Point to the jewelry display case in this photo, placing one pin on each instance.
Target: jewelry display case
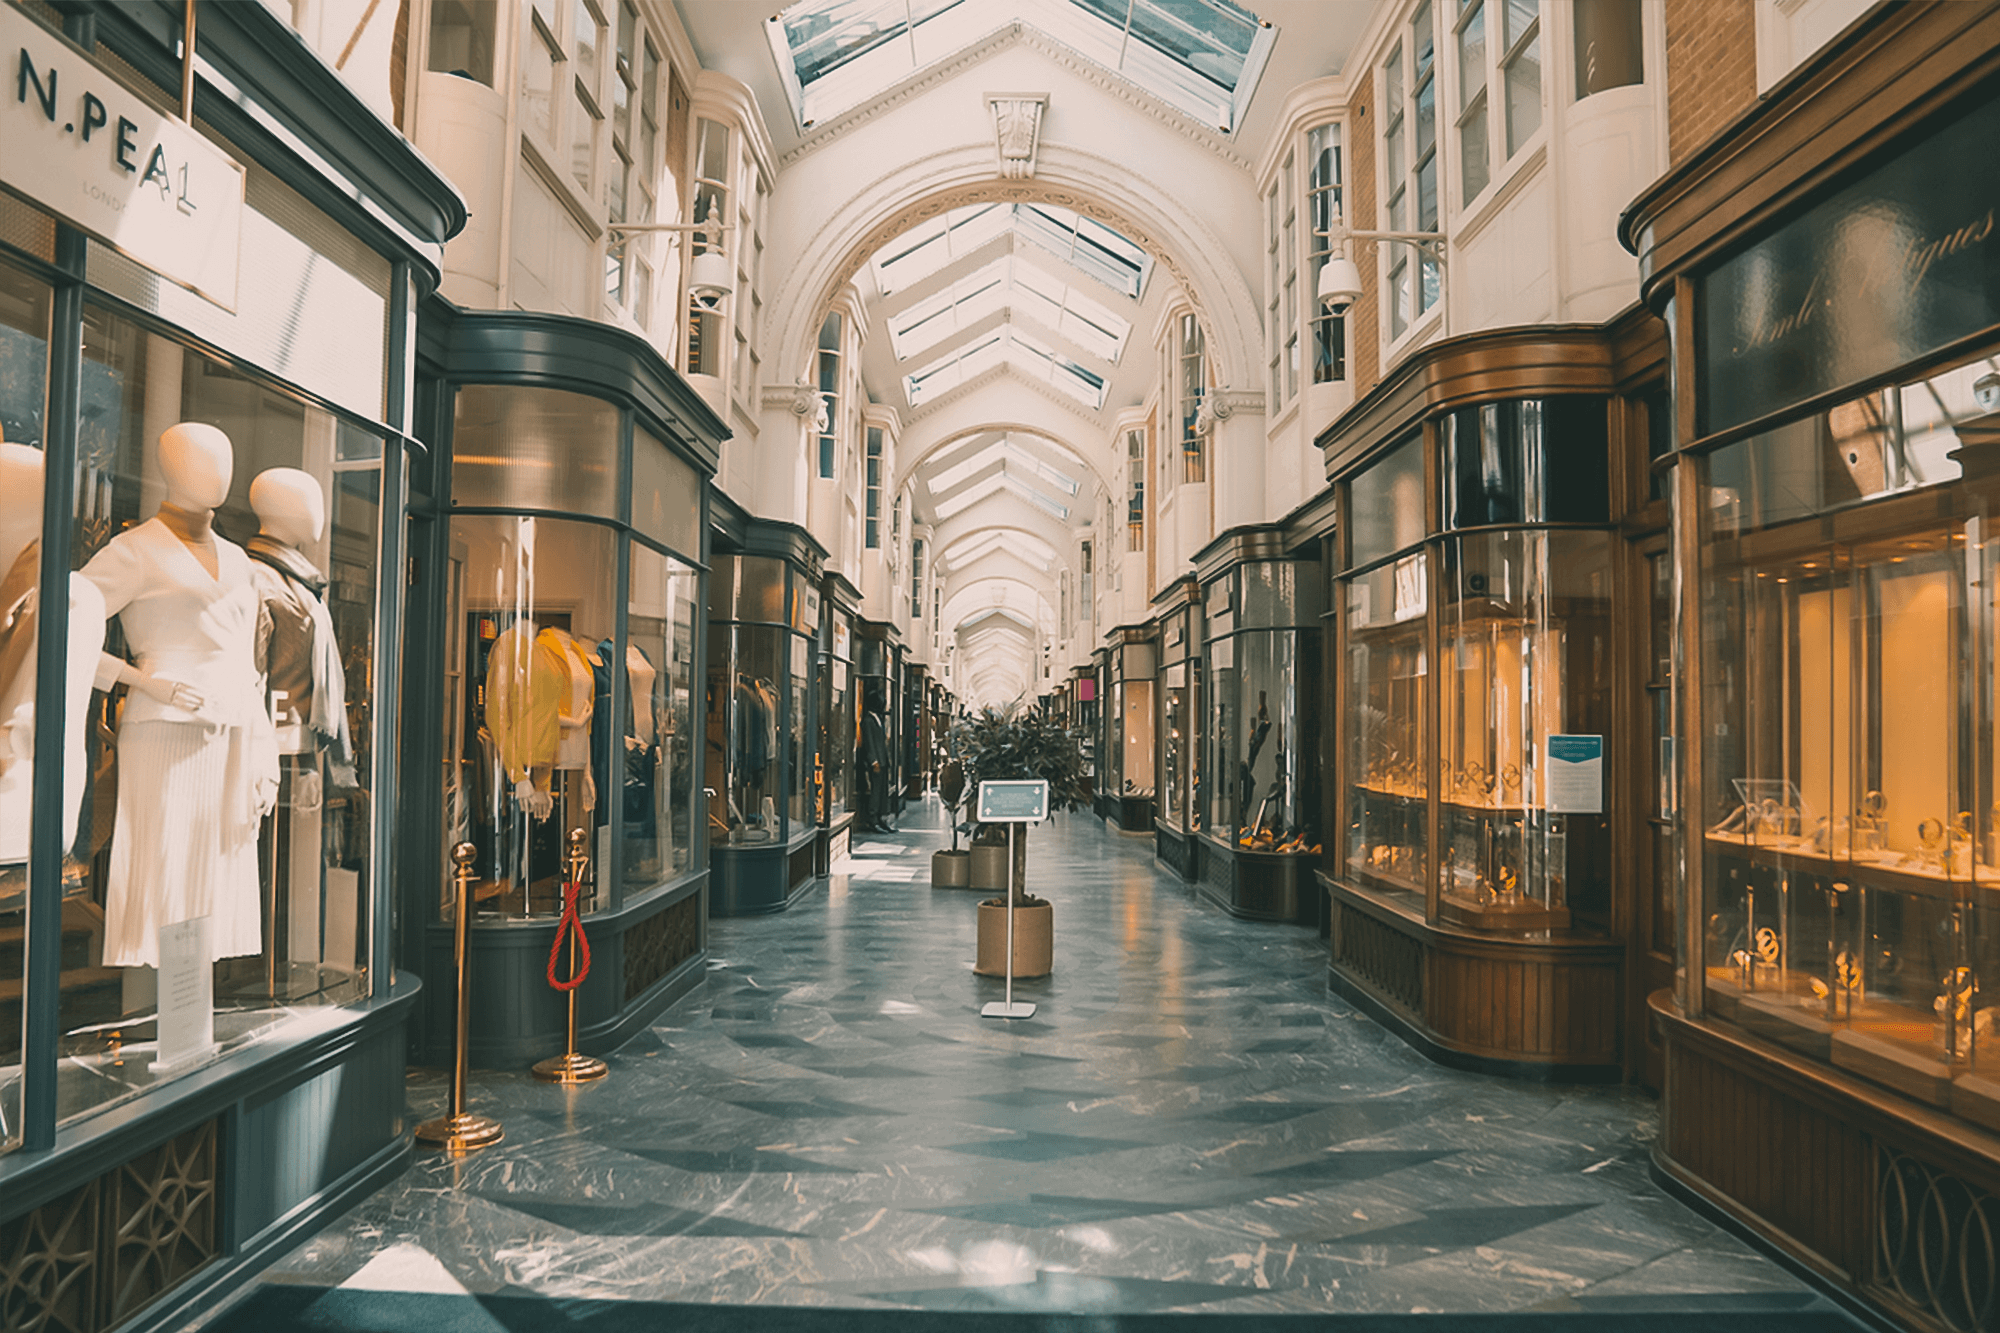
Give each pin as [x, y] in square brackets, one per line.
[1850, 833]
[1487, 578]
[839, 719]
[1260, 703]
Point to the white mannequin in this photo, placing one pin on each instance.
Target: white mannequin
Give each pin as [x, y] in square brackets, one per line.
[197, 755]
[21, 475]
[290, 506]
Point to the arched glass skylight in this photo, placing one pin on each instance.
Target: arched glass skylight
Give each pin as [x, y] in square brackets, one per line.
[1013, 285]
[1086, 245]
[1010, 346]
[1200, 56]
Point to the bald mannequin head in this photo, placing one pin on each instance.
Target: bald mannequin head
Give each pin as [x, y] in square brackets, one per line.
[291, 507]
[196, 462]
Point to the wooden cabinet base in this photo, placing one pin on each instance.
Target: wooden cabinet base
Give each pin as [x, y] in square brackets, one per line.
[1034, 940]
[1541, 1008]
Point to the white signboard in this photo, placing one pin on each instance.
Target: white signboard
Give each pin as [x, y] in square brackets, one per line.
[76, 141]
[1576, 775]
[187, 994]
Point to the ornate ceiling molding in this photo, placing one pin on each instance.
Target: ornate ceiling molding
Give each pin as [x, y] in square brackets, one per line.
[1018, 33]
[1017, 128]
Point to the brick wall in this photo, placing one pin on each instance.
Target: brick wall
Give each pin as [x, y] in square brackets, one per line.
[1364, 354]
[1711, 69]
[399, 62]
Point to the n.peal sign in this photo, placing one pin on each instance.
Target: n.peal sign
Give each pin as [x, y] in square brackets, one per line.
[79, 143]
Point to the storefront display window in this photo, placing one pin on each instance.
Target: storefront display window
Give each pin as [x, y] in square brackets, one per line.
[217, 800]
[841, 719]
[568, 700]
[1849, 715]
[1263, 707]
[756, 701]
[1388, 725]
[1173, 745]
[24, 375]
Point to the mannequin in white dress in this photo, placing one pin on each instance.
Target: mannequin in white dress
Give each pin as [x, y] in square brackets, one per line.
[197, 755]
[20, 583]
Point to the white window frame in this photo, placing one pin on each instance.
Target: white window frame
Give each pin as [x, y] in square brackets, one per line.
[1490, 100]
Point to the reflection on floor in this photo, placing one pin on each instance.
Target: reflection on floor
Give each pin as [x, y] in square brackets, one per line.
[1190, 1122]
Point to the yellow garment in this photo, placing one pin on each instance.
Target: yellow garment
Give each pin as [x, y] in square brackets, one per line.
[527, 678]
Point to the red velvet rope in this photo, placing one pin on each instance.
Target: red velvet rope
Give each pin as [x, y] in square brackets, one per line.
[570, 921]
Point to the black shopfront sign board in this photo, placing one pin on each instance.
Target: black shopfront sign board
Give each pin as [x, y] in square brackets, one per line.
[1897, 265]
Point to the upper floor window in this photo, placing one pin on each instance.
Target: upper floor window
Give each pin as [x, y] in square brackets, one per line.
[1191, 385]
[1323, 205]
[1135, 490]
[829, 389]
[1410, 174]
[706, 331]
[1509, 60]
[873, 512]
[916, 578]
[1610, 45]
[462, 39]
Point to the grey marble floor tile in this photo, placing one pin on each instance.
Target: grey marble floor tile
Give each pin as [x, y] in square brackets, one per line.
[1192, 1122]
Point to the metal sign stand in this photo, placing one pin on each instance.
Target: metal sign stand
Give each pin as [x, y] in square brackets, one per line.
[1038, 808]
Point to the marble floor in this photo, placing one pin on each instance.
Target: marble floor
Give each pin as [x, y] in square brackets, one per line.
[1190, 1122]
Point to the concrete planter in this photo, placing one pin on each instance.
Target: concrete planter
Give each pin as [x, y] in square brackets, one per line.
[1034, 939]
[951, 870]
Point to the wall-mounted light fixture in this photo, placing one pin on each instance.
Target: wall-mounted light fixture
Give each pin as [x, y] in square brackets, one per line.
[711, 275]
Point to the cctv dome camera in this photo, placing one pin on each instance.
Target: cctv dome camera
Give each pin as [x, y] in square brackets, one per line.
[1339, 284]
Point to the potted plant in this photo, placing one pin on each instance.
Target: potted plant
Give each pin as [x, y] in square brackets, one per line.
[1013, 744]
[952, 869]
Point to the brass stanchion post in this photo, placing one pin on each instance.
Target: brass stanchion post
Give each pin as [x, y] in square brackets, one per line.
[461, 1131]
[572, 1066]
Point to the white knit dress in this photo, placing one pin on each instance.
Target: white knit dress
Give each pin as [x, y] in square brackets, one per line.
[193, 786]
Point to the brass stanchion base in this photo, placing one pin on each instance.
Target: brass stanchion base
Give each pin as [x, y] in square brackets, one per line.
[461, 1133]
[572, 1067]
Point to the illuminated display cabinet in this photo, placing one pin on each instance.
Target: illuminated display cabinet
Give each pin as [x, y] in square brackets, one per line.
[1129, 721]
[1181, 813]
[1488, 864]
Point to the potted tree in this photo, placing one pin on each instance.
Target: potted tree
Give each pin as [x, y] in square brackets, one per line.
[952, 869]
[1016, 743]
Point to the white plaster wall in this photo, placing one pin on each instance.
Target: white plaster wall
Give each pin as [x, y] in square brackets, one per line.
[549, 270]
[1500, 267]
[1610, 152]
[460, 126]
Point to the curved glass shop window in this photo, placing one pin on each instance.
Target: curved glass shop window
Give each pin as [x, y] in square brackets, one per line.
[24, 371]
[841, 719]
[1387, 698]
[217, 799]
[756, 678]
[568, 703]
[1851, 844]
[1263, 708]
[1173, 744]
[540, 624]
[1525, 649]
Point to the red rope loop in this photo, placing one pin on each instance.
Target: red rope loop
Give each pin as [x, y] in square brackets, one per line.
[570, 921]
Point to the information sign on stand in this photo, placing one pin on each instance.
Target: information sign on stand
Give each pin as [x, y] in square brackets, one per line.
[1011, 803]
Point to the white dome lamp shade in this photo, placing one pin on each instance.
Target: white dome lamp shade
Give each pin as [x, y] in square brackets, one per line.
[711, 276]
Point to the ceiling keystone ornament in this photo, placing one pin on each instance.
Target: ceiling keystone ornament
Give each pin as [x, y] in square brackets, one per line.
[1017, 121]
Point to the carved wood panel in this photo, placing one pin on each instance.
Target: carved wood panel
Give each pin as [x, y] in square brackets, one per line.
[1381, 958]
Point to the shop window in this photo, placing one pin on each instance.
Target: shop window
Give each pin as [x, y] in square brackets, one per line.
[666, 495]
[25, 307]
[829, 391]
[1386, 504]
[1610, 45]
[1323, 205]
[1388, 724]
[1849, 820]
[1528, 461]
[1262, 708]
[462, 38]
[218, 798]
[654, 783]
[535, 449]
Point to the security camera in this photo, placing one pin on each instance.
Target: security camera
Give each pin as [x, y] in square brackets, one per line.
[1986, 392]
[1339, 284]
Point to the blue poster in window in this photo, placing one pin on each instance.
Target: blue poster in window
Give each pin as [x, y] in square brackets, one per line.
[1576, 775]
